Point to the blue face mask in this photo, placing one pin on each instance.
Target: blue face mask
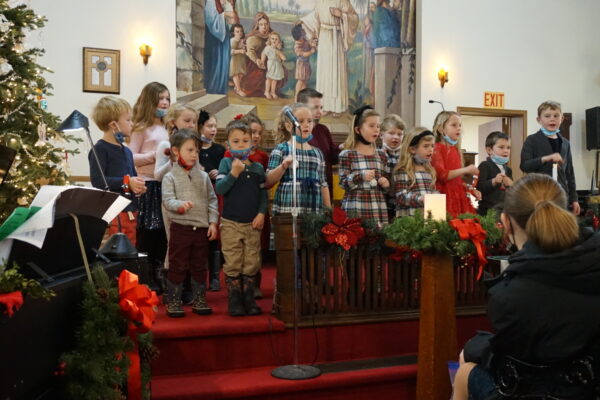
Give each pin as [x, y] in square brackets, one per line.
[499, 159]
[450, 140]
[240, 154]
[119, 137]
[549, 133]
[302, 140]
[160, 112]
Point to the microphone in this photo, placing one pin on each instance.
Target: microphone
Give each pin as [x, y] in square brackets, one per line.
[287, 111]
[439, 102]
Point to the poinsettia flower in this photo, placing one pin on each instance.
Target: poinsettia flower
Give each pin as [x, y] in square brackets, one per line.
[343, 231]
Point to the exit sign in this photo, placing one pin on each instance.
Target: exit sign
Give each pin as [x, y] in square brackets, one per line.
[493, 100]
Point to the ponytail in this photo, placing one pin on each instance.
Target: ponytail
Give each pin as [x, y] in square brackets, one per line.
[538, 204]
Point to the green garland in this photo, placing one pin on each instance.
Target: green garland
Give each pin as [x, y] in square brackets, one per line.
[426, 234]
[98, 368]
[12, 280]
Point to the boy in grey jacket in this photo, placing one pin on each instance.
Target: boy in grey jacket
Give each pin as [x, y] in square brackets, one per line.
[192, 208]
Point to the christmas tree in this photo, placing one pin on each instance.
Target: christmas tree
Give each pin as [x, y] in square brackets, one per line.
[25, 125]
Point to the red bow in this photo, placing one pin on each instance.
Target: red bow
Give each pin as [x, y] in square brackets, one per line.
[470, 229]
[400, 251]
[12, 301]
[137, 304]
[239, 116]
[344, 231]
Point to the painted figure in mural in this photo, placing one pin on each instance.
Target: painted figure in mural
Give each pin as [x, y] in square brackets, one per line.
[237, 64]
[274, 58]
[303, 48]
[334, 23]
[369, 49]
[386, 26]
[218, 14]
[253, 84]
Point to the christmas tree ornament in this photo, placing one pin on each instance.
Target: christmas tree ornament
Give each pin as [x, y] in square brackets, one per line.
[42, 131]
[5, 24]
[5, 67]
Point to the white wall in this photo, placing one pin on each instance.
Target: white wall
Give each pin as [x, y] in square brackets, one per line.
[531, 50]
[109, 24]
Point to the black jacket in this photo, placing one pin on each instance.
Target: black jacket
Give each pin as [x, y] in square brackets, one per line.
[537, 146]
[492, 196]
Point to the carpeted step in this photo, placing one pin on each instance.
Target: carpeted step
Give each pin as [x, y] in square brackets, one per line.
[396, 382]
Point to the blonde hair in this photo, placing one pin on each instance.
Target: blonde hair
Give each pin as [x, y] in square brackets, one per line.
[109, 109]
[438, 129]
[174, 112]
[406, 162]
[392, 121]
[538, 204]
[273, 33]
[145, 107]
[357, 122]
[280, 131]
[549, 105]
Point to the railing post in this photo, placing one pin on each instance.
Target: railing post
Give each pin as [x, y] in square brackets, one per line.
[437, 327]
[282, 230]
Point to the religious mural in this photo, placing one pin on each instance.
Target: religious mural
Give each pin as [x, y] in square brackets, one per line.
[267, 50]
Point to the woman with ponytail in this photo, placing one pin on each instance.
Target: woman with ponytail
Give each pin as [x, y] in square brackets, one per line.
[544, 307]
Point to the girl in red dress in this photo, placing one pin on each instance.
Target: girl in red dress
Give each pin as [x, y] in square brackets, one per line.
[448, 163]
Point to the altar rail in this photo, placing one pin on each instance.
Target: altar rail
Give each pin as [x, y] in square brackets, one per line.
[359, 286]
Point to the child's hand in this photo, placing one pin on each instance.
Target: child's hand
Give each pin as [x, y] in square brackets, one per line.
[498, 179]
[213, 232]
[137, 185]
[506, 181]
[383, 182]
[554, 157]
[369, 175]
[185, 207]
[471, 170]
[476, 193]
[575, 208]
[237, 167]
[213, 174]
[258, 222]
[286, 162]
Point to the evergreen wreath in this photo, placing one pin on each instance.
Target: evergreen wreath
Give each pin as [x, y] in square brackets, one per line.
[13, 286]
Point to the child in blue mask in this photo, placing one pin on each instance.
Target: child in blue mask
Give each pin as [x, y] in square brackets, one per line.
[495, 176]
[548, 152]
[241, 182]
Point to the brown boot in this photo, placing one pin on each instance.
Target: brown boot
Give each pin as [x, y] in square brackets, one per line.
[174, 305]
[258, 294]
[234, 288]
[199, 305]
[248, 285]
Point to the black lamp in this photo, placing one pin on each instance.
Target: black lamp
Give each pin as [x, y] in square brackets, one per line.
[118, 246]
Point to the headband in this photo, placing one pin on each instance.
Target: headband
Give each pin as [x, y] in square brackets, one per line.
[357, 113]
[203, 117]
[420, 136]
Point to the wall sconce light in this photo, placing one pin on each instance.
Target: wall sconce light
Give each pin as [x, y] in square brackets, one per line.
[443, 76]
[145, 52]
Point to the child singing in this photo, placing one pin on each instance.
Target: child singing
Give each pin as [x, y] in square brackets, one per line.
[495, 175]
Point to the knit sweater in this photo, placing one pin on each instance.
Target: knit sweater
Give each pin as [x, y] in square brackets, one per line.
[144, 145]
[179, 186]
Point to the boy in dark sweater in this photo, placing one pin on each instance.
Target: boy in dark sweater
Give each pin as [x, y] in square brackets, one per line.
[495, 176]
[241, 182]
[113, 117]
[548, 152]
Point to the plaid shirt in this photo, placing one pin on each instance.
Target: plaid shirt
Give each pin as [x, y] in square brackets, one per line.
[409, 197]
[360, 197]
[310, 179]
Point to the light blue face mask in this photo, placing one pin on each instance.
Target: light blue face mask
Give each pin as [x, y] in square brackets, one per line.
[240, 154]
[302, 140]
[160, 112]
[549, 133]
[420, 160]
[450, 140]
[499, 159]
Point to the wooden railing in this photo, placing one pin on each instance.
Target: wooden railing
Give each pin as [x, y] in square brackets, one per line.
[359, 286]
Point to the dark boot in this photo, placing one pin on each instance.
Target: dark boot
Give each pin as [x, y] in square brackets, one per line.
[187, 294]
[248, 285]
[234, 287]
[214, 267]
[257, 292]
[199, 306]
[174, 306]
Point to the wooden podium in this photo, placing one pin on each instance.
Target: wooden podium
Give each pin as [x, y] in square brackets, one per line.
[437, 327]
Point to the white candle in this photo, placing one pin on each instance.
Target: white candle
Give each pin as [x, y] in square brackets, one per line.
[555, 171]
[436, 204]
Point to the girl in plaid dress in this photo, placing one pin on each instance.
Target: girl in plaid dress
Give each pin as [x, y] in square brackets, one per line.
[392, 132]
[414, 176]
[363, 169]
[312, 189]
[448, 163]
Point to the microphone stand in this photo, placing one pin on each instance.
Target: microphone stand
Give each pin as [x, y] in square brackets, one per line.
[296, 371]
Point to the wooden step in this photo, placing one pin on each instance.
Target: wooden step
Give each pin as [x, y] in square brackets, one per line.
[213, 103]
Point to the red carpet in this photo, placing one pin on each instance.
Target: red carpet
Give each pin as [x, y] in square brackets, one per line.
[222, 357]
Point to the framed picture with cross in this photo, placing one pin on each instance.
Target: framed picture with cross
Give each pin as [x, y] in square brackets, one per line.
[101, 70]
